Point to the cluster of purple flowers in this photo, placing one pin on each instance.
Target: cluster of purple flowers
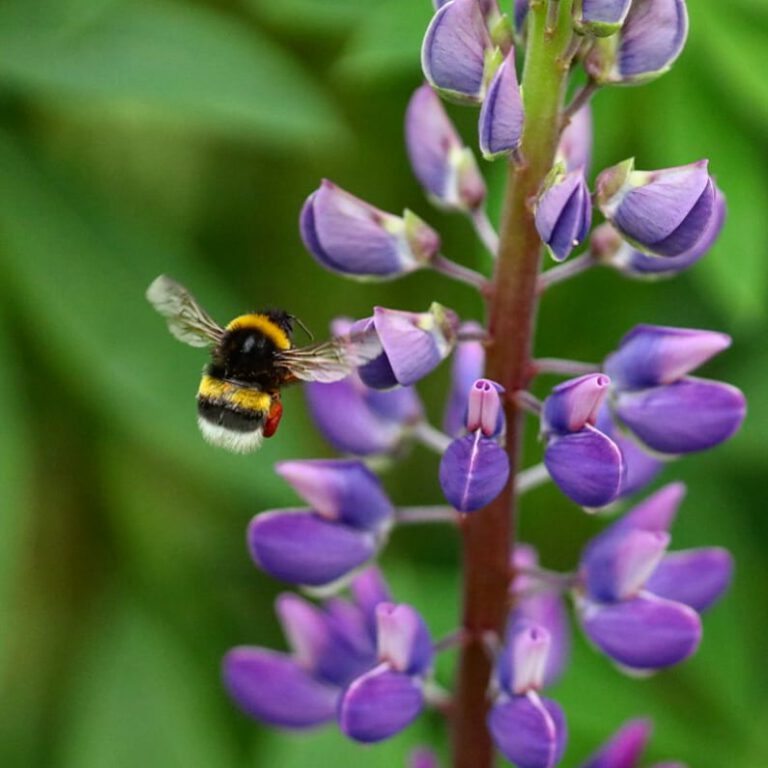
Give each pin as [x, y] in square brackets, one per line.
[366, 661]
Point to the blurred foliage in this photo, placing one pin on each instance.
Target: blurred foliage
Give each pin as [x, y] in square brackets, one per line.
[182, 137]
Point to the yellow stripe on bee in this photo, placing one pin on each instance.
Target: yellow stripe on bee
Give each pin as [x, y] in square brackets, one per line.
[269, 328]
[232, 394]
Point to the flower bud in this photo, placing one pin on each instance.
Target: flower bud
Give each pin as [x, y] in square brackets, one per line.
[653, 354]
[664, 212]
[625, 748]
[564, 213]
[484, 408]
[651, 38]
[443, 165]
[349, 236]
[600, 18]
[575, 403]
[455, 50]
[524, 658]
[501, 116]
[415, 343]
[575, 148]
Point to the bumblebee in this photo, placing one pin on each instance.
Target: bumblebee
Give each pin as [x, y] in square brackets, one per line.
[252, 358]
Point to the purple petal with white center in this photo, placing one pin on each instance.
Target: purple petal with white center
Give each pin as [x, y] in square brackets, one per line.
[339, 489]
[586, 466]
[640, 468]
[564, 214]
[575, 148]
[696, 577]
[686, 416]
[404, 642]
[302, 548]
[638, 264]
[652, 38]
[653, 354]
[484, 408]
[273, 688]
[380, 704]
[525, 654]
[365, 427]
[575, 403]
[624, 749]
[305, 628]
[617, 566]
[547, 609]
[529, 731]
[416, 342]
[665, 212]
[646, 632]
[473, 472]
[602, 17]
[368, 590]
[454, 49]
[347, 235]
[501, 116]
[443, 165]
[467, 366]
[423, 758]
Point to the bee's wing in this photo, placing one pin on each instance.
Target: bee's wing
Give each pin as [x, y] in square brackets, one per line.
[331, 360]
[187, 320]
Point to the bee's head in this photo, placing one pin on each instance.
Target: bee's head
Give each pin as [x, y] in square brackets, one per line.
[287, 321]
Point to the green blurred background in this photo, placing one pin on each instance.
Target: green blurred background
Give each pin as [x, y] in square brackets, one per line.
[182, 137]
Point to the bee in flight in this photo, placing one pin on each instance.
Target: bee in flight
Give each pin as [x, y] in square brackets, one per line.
[252, 358]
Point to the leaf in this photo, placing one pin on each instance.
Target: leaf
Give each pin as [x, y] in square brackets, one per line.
[79, 280]
[173, 63]
[140, 699]
[387, 43]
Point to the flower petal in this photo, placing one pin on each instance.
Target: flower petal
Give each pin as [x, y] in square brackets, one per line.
[686, 416]
[423, 758]
[575, 148]
[501, 116]
[473, 472]
[338, 489]
[467, 366]
[646, 632]
[696, 577]
[303, 548]
[564, 214]
[575, 403]
[528, 730]
[380, 704]
[586, 466]
[403, 638]
[368, 590]
[273, 688]
[625, 747]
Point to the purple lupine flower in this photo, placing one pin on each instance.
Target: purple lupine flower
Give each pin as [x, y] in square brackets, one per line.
[466, 367]
[584, 462]
[444, 166]
[564, 213]
[389, 697]
[330, 646]
[624, 749]
[649, 42]
[608, 248]
[575, 148]
[455, 49]
[664, 212]
[474, 469]
[501, 116]
[669, 411]
[349, 236]
[542, 604]
[349, 518]
[640, 467]
[637, 625]
[528, 729]
[601, 18]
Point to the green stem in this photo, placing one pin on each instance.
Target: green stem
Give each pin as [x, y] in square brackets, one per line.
[488, 534]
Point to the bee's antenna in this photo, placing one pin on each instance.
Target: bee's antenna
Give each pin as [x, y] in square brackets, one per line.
[303, 327]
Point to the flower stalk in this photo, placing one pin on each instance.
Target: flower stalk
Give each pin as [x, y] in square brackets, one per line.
[488, 537]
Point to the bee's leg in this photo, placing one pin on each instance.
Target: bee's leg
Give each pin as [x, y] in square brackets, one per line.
[273, 418]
